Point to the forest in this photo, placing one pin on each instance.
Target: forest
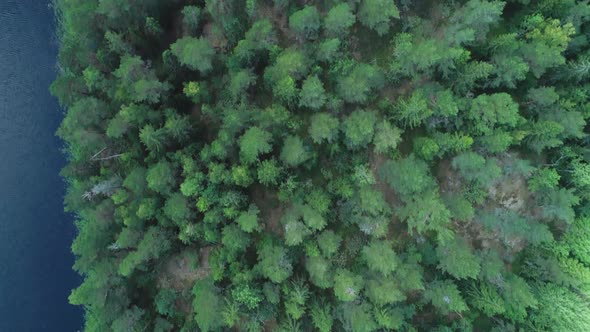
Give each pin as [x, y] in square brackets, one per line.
[328, 165]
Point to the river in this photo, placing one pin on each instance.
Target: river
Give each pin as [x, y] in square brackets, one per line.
[36, 274]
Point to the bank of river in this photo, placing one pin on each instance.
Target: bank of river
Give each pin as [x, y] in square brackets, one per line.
[35, 234]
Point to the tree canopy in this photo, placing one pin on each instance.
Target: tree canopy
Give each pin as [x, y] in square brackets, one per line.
[370, 165]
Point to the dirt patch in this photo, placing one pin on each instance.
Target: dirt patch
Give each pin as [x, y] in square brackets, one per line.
[215, 36]
[271, 209]
[280, 21]
[182, 271]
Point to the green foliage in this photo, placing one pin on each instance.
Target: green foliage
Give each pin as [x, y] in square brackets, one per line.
[560, 309]
[248, 220]
[194, 53]
[253, 143]
[269, 172]
[155, 242]
[445, 297]
[380, 257]
[413, 111]
[294, 152]
[347, 285]
[274, 263]
[191, 17]
[176, 208]
[207, 305]
[387, 137]
[312, 93]
[427, 212]
[319, 270]
[305, 22]
[474, 167]
[382, 290]
[407, 176]
[161, 178]
[321, 315]
[339, 20]
[457, 259]
[165, 301]
[488, 112]
[359, 128]
[357, 86]
[323, 127]
[329, 242]
[377, 14]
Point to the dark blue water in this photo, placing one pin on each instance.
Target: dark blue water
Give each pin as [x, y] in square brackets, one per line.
[35, 234]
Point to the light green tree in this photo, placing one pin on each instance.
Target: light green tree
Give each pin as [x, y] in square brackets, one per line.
[377, 14]
[339, 20]
[359, 128]
[457, 259]
[323, 127]
[312, 93]
[253, 143]
[195, 53]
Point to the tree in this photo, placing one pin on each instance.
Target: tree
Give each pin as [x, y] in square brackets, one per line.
[558, 204]
[546, 40]
[239, 83]
[191, 17]
[155, 242]
[473, 21]
[488, 112]
[356, 86]
[274, 263]
[380, 257]
[323, 127]
[387, 137]
[329, 242]
[269, 172]
[339, 20]
[130, 320]
[511, 226]
[357, 317]
[165, 301]
[328, 49]
[445, 297]
[248, 220]
[294, 152]
[560, 309]
[457, 259]
[358, 129]
[426, 148]
[347, 285]
[321, 316]
[413, 111]
[377, 14]
[305, 22]
[407, 176]
[177, 209]
[320, 271]
[312, 93]
[426, 212]
[152, 138]
[253, 143]
[160, 178]
[474, 167]
[383, 290]
[207, 305]
[234, 240]
[196, 54]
